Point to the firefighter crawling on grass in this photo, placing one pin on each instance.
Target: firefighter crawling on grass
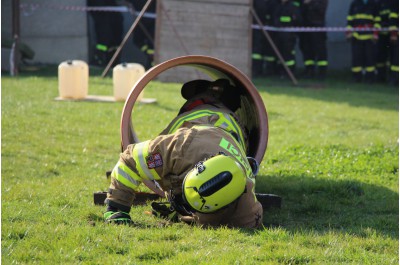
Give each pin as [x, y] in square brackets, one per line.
[199, 160]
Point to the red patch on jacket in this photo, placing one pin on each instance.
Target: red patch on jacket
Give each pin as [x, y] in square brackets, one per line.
[154, 160]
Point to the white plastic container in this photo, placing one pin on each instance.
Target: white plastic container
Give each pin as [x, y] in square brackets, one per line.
[73, 79]
[125, 75]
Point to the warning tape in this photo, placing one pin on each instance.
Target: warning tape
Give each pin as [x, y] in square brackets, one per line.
[318, 29]
[34, 6]
[120, 9]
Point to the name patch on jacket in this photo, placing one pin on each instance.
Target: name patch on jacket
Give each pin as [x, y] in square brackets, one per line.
[154, 160]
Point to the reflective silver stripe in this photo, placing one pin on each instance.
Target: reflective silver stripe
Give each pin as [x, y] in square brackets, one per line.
[142, 161]
[126, 176]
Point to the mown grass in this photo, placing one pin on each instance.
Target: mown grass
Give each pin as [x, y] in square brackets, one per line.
[332, 156]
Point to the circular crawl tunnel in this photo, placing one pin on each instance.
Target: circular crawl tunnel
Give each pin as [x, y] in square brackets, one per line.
[251, 113]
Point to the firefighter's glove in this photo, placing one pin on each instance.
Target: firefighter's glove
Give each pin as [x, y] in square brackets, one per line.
[164, 210]
[120, 218]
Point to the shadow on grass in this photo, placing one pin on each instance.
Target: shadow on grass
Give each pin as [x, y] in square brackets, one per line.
[325, 205]
[337, 88]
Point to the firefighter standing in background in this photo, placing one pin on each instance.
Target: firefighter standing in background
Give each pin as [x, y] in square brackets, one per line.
[269, 56]
[313, 44]
[384, 44]
[363, 15]
[287, 14]
[108, 28]
[259, 40]
[199, 160]
[394, 38]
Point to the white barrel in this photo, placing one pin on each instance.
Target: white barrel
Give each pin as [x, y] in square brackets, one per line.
[125, 75]
[73, 79]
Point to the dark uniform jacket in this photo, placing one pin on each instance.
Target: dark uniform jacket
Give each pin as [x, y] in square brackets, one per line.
[363, 16]
[287, 15]
[314, 13]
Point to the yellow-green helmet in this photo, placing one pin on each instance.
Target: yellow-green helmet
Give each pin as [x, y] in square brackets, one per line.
[213, 184]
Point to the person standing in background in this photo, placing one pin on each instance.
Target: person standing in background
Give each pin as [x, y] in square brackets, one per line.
[363, 16]
[394, 39]
[259, 41]
[270, 58]
[313, 44]
[287, 14]
[108, 31]
[383, 47]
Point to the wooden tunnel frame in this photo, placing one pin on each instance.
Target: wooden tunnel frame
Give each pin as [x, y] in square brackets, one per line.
[215, 69]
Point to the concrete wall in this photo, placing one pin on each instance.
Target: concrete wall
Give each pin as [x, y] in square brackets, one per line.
[55, 35]
[217, 28]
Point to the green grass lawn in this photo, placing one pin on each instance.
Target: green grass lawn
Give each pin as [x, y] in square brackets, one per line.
[332, 155]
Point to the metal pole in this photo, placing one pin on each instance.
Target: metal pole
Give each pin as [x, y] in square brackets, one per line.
[14, 56]
[128, 34]
[271, 42]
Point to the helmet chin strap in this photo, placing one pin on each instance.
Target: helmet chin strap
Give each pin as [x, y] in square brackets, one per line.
[177, 204]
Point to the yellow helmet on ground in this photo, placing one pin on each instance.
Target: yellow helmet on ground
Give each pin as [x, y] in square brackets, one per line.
[214, 184]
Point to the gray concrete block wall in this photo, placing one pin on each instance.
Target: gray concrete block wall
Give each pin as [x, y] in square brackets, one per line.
[212, 28]
[55, 35]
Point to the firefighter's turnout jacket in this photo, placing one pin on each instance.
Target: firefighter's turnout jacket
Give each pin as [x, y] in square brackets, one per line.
[200, 132]
[313, 44]
[287, 14]
[384, 45]
[362, 19]
[363, 16]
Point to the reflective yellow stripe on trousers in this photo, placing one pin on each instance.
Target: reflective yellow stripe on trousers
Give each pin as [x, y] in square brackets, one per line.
[125, 175]
[139, 153]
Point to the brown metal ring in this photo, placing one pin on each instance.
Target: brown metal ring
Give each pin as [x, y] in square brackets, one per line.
[213, 67]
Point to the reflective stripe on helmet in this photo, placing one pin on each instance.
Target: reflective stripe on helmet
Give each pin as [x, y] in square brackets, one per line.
[125, 175]
[225, 121]
[139, 153]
